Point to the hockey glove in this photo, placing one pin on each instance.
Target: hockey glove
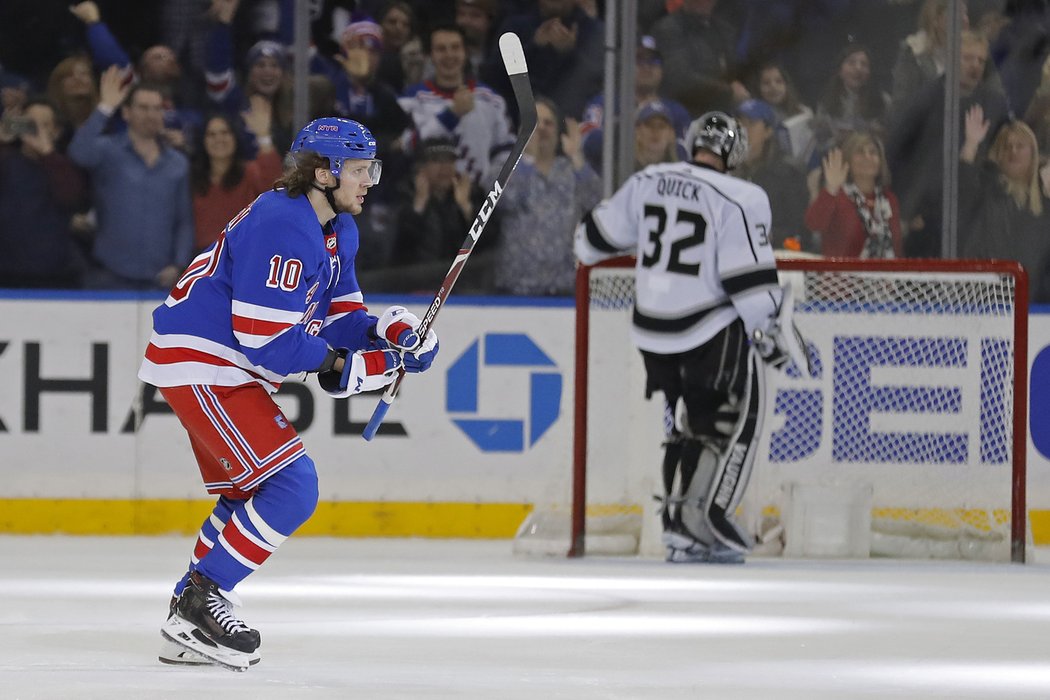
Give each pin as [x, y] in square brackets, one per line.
[420, 359]
[777, 345]
[362, 371]
[398, 326]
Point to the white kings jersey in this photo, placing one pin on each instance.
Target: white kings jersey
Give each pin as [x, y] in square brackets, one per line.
[704, 255]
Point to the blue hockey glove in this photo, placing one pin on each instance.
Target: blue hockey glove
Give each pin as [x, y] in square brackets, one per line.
[420, 359]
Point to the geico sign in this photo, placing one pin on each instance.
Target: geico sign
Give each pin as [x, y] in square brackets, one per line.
[907, 382]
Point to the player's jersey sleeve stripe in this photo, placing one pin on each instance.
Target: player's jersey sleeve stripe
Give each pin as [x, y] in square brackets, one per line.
[265, 313]
[595, 237]
[749, 280]
[674, 325]
[255, 327]
[344, 307]
[356, 297]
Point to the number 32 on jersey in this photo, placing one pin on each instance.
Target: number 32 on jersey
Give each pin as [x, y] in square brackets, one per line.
[695, 227]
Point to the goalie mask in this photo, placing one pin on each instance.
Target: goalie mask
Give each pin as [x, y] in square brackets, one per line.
[722, 135]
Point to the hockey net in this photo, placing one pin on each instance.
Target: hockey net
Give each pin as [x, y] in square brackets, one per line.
[914, 423]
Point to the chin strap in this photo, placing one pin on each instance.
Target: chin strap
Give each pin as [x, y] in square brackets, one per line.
[327, 192]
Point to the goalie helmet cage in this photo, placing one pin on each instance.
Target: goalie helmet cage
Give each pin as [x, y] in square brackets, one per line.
[920, 392]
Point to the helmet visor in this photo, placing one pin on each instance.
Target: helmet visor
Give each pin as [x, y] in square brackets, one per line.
[360, 169]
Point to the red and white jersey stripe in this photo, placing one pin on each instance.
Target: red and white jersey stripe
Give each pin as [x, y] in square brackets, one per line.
[343, 305]
[180, 360]
[254, 326]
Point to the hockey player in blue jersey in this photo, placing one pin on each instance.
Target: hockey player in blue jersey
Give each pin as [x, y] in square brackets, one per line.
[276, 295]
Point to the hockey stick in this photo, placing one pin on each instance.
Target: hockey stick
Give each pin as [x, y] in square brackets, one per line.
[518, 72]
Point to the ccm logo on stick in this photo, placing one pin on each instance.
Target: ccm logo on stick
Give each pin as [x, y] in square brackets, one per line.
[486, 211]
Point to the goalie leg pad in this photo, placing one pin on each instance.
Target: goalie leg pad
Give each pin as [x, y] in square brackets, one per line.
[734, 469]
[692, 514]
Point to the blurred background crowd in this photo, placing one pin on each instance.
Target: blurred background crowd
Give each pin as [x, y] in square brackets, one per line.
[130, 133]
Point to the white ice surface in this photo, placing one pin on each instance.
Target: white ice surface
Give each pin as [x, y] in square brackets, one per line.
[377, 619]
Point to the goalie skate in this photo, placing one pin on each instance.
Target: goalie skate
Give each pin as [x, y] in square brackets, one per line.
[683, 549]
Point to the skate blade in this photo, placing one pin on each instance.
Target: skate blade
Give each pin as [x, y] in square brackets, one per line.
[182, 633]
[174, 654]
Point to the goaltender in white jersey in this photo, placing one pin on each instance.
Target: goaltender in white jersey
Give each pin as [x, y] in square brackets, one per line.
[707, 307]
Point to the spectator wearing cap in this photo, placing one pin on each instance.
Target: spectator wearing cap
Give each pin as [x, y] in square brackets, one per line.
[158, 66]
[648, 78]
[655, 140]
[460, 108]
[362, 96]
[435, 209]
[552, 188]
[698, 50]
[265, 101]
[768, 167]
[565, 50]
[14, 92]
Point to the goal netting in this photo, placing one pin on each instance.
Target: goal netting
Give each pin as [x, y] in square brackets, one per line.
[908, 442]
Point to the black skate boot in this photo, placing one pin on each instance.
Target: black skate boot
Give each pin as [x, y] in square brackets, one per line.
[204, 622]
[176, 654]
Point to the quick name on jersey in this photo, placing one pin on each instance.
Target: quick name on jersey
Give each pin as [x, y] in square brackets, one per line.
[673, 187]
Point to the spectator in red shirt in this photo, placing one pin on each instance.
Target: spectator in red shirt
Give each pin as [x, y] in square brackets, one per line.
[222, 182]
[855, 213]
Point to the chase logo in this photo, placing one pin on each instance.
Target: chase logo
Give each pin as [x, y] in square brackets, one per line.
[504, 350]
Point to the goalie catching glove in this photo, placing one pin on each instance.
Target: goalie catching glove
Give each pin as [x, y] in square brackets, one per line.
[398, 327]
[362, 371]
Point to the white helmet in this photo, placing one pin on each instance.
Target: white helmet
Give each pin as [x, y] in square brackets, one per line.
[721, 134]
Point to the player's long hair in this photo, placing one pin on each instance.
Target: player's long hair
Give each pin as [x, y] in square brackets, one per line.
[298, 176]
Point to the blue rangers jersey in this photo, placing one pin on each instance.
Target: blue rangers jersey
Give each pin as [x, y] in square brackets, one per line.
[264, 302]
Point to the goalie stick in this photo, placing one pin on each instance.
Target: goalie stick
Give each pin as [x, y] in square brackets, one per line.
[518, 72]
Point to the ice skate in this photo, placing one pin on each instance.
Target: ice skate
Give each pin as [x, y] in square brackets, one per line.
[683, 548]
[178, 655]
[203, 622]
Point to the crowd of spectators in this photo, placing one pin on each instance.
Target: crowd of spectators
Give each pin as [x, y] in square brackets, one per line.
[131, 138]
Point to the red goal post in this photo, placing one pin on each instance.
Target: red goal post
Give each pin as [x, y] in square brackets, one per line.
[963, 323]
